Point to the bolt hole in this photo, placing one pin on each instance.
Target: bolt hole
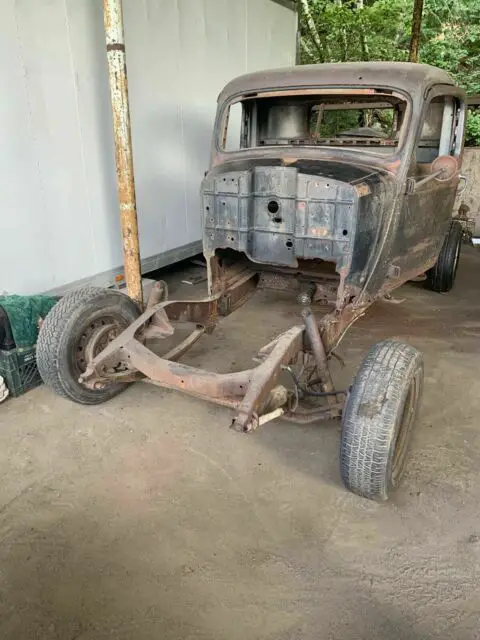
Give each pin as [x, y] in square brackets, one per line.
[272, 206]
[277, 219]
[224, 181]
[232, 239]
[289, 244]
[345, 232]
[207, 208]
[211, 219]
[224, 203]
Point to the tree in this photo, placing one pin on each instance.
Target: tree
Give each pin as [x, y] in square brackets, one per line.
[448, 36]
[416, 26]
[321, 45]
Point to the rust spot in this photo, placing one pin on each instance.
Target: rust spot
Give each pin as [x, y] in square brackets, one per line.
[362, 189]
[393, 165]
[116, 46]
[319, 232]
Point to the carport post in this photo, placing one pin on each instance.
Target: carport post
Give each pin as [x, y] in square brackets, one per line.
[117, 76]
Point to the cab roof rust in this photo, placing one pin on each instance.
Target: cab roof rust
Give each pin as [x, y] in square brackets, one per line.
[409, 77]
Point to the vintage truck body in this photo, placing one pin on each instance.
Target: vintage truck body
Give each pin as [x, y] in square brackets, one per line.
[353, 201]
[334, 182]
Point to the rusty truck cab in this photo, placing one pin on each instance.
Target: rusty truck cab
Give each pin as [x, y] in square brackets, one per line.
[313, 173]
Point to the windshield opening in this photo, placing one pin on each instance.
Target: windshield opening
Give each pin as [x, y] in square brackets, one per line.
[373, 120]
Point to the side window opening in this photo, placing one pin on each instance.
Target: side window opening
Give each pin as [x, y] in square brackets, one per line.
[442, 130]
[234, 127]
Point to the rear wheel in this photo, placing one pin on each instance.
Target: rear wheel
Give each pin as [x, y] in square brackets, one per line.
[441, 277]
[378, 417]
[76, 330]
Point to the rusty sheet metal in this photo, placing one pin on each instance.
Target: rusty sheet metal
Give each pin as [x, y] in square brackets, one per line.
[117, 76]
[237, 293]
[412, 78]
[333, 326]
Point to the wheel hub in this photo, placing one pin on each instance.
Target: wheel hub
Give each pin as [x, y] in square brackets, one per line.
[99, 338]
[94, 339]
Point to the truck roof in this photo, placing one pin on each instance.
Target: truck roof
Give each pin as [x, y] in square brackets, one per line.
[407, 76]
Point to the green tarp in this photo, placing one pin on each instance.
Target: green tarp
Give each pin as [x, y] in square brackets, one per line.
[24, 313]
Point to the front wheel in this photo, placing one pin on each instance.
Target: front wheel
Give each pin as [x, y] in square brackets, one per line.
[378, 417]
[76, 329]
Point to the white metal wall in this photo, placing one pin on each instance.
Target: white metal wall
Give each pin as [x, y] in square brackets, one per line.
[58, 211]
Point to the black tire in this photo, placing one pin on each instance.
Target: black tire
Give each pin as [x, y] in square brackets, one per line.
[378, 417]
[61, 333]
[441, 277]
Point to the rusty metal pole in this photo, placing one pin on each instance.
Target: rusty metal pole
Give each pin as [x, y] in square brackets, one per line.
[117, 76]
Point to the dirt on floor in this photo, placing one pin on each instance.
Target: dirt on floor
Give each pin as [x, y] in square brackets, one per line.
[148, 518]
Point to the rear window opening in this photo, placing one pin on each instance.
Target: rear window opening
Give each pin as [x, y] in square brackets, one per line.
[374, 120]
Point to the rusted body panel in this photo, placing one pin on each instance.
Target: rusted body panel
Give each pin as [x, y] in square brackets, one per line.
[412, 78]
[350, 205]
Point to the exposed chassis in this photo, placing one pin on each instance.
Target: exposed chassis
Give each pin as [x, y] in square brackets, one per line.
[253, 393]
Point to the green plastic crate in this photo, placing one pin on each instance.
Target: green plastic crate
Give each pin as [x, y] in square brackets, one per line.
[19, 370]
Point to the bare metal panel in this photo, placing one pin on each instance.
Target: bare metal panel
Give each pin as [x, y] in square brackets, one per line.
[59, 207]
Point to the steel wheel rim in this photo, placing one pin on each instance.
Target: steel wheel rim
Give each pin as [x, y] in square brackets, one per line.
[108, 325]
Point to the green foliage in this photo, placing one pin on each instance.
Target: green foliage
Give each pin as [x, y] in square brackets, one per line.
[343, 26]
[472, 134]
[380, 30]
[334, 122]
[338, 121]
[451, 39]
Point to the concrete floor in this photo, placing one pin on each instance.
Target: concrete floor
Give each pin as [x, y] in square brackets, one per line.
[148, 518]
